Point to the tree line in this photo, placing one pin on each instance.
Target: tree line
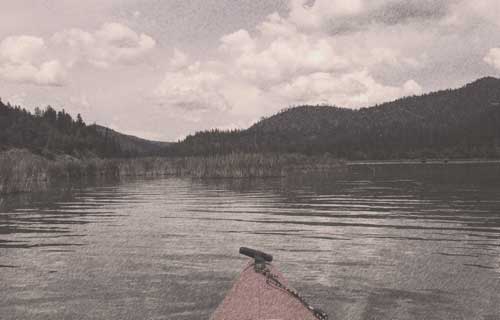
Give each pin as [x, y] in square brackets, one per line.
[49, 132]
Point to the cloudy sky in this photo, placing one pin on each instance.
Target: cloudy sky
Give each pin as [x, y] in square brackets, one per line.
[161, 69]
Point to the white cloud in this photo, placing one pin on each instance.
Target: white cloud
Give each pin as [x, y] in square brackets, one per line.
[29, 59]
[22, 60]
[21, 49]
[279, 51]
[118, 34]
[192, 89]
[73, 45]
[282, 63]
[349, 90]
[238, 42]
[50, 73]
[112, 43]
[122, 44]
[285, 57]
[493, 58]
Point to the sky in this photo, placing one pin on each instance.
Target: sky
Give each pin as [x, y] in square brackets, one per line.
[162, 69]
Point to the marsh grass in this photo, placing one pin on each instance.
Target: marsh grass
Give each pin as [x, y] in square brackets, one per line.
[23, 171]
[244, 165]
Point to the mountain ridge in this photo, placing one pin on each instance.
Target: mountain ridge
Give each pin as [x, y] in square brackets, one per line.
[460, 122]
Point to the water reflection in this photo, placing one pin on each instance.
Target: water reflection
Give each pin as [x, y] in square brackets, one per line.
[383, 243]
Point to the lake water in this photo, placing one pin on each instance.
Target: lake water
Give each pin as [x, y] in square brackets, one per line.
[381, 242]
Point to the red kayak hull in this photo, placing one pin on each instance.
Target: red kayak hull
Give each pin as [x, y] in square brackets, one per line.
[253, 297]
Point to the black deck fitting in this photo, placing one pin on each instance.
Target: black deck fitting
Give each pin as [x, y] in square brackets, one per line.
[256, 254]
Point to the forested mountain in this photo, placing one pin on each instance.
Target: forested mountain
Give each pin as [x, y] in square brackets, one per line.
[49, 132]
[463, 122]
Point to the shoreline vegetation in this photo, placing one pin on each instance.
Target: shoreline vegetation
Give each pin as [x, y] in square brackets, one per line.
[24, 171]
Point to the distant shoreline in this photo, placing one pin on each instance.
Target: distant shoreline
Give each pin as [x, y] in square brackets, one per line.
[23, 171]
[421, 161]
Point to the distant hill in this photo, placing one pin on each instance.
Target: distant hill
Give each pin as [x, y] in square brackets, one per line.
[50, 133]
[462, 122]
[131, 144]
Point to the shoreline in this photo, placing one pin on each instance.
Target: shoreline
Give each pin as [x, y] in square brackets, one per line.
[422, 161]
[22, 171]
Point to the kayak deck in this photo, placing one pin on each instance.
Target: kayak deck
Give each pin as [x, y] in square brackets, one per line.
[264, 294]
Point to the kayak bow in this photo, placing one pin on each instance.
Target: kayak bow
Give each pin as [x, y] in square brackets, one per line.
[262, 293]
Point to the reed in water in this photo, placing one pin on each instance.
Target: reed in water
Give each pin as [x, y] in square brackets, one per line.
[23, 171]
